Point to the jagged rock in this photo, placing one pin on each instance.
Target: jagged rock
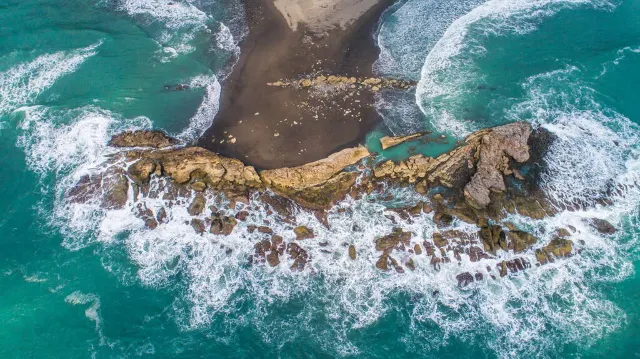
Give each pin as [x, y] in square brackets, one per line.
[198, 225]
[242, 215]
[298, 255]
[439, 240]
[464, 279]
[142, 138]
[382, 262]
[563, 232]
[352, 252]
[319, 184]
[146, 214]
[602, 226]
[521, 241]
[222, 225]
[493, 237]
[494, 151]
[110, 188]
[390, 141]
[303, 232]
[197, 206]
[265, 229]
[396, 240]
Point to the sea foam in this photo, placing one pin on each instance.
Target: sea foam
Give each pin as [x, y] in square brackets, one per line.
[447, 76]
[22, 84]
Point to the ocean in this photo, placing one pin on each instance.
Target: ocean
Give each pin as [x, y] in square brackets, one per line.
[79, 281]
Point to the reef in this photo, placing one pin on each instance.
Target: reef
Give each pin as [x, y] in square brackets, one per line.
[493, 173]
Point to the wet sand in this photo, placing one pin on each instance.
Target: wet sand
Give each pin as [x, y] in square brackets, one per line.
[272, 127]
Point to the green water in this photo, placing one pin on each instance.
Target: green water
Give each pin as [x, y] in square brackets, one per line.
[72, 73]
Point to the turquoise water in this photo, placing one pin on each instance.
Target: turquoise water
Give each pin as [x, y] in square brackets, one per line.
[81, 282]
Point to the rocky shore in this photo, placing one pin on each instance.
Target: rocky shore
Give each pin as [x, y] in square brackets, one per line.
[492, 174]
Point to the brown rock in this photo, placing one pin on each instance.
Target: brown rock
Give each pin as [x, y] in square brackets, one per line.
[198, 225]
[352, 252]
[197, 205]
[303, 232]
[264, 229]
[142, 138]
[389, 141]
[242, 215]
[509, 140]
[319, 184]
[521, 241]
[222, 225]
[439, 240]
[602, 226]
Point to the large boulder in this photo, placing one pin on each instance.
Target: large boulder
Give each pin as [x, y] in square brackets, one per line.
[495, 150]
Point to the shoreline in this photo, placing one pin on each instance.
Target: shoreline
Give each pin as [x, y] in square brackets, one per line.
[271, 127]
[484, 180]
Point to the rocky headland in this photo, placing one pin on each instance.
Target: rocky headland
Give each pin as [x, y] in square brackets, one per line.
[490, 175]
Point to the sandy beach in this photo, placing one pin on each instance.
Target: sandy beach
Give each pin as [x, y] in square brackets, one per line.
[270, 126]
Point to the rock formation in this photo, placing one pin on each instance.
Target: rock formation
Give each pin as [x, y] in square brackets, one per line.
[143, 138]
[391, 141]
[319, 184]
[477, 182]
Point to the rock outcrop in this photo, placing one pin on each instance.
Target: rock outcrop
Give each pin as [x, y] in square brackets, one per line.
[391, 141]
[319, 184]
[477, 182]
[143, 138]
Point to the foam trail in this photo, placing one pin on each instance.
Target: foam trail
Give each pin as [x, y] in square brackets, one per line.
[402, 53]
[92, 312]
[445, 77]
[22, 84]
[173, 24]
[206, 111]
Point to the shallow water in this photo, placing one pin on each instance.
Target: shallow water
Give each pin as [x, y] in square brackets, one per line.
[80, 281]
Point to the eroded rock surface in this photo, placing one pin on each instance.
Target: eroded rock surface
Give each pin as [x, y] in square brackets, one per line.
[143, 138]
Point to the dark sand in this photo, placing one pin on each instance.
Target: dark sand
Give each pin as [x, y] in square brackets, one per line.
[261, 117]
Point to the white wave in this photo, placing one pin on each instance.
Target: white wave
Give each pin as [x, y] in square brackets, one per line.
[203, 118]
[445, 76]
[59, 141]
[173, 24]
[515, 313]
[22, 84]
[409, 33]
[173, 14]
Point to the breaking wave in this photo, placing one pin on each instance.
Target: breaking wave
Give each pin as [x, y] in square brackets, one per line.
[450, 75]
[22, 84]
